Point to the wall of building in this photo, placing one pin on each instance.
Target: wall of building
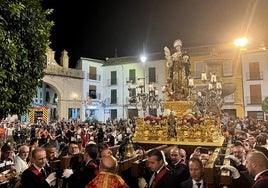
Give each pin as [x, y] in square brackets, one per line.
[261, 57]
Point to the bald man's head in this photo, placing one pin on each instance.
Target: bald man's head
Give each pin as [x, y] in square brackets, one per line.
[108, 164]
[256, 162]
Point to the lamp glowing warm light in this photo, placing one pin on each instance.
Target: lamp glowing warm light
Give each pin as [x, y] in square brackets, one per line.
[143, 58]
[241, 42]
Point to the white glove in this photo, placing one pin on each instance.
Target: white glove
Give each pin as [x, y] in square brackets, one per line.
[51, 179]
[142, 183]
[234, 172]
[67, 173]
[233, 158]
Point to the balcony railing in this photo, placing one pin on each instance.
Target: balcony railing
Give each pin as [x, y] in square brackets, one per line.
[96, 77]
[96, 96]
[254, 100]
[254, 76]
[134, 80]
[229, 99]
[114, 100]
[111, 82]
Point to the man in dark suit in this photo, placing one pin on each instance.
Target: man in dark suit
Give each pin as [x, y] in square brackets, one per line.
[88, 170]
[257, 165]
[177, 165]
[35, 176]
[161, 175]
[196, 175]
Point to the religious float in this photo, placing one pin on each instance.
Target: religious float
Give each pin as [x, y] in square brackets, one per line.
[191, 115]
[190, 118]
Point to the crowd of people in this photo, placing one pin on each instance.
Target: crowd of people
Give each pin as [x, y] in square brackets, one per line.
[78, 154]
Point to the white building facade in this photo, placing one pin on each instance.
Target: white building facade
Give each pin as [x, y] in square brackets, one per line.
[255, 81]
[105, 91]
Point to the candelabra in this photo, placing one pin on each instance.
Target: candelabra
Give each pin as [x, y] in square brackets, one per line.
[207, 97]
[141, 100]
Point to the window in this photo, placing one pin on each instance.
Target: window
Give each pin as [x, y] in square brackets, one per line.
[255, 94]
[92, 92]
[227, 68]
[92, 73]
[74, 113]
[254, 71]
[36, 99]
[133, 92]
[113, 78]
[113, 114]
[113, 96]
[152, 75]
[200, 67]
[256, 114]
[41, 97]
[132, 75]
[229, 98]
[47, 97]
[55, 99]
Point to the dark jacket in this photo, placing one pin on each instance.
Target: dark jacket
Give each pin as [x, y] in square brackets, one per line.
[83, 175]
[189, 184]
[29, 179]
[262, 181]
[166, 179]
[180, 171]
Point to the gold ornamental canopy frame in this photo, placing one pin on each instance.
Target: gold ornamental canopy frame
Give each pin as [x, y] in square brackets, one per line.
[187, 128]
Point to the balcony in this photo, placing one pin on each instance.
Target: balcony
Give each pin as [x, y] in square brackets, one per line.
[254, 76]
[94, 95]
[114, 100]
[96, 77]
[111, 82]
[254, 100]
[229, 99]
[147, 81]
[131, 79]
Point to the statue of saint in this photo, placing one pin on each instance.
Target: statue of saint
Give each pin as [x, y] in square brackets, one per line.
[172, 133]
[178, 71]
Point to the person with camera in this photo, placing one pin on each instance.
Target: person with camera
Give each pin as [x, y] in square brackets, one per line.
[36, 175]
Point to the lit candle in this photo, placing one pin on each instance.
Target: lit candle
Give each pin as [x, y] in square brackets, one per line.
[203, 76]
[210, 86]
[213, 78]
[191, 82]
[151, 87]
[141, 82]
[129, 85]
[218, 85]
[163, 88]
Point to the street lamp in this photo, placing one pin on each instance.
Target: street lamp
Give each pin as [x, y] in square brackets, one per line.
[143, 58]
[241, 42]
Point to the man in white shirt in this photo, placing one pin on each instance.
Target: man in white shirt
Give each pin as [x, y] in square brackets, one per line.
[196, 170]
[20, 162]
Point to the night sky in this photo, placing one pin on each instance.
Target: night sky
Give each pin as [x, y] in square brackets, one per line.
[95, 28]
